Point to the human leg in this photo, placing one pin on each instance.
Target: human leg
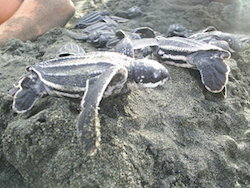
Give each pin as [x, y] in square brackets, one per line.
[8, 8]
[35, 17]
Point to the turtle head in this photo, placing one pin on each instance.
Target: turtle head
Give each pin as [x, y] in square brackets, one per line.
[242, 42]
[178, 30]
[237, 42]
[148, 73]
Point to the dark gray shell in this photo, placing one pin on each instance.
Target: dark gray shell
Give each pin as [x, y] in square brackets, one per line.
[176, 50]
[90, 18]
[180, 44]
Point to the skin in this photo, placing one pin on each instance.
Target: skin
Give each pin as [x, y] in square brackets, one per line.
[32, 18]
[8, 8]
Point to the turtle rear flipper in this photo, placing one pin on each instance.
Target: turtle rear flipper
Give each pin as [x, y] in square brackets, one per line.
[214, 72]
[29, 91]
[88, 125]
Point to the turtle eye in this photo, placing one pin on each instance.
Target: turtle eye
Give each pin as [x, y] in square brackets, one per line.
[245, 40]
[229, 40]
[157, 74]
[27, 68]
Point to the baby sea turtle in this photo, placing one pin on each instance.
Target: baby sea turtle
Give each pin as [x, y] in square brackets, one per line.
[97, 16]
[228, 41]
[98, 38]
[91, 18]
[132, 12]
[97, 28]
[90, 77]
[189, 53]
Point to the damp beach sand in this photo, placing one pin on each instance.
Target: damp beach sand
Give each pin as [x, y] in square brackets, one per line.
[177, 135]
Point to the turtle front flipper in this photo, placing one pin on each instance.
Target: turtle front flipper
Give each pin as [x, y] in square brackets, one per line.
[30, 89]
[88, 125]
[214, 71]
[124, 46]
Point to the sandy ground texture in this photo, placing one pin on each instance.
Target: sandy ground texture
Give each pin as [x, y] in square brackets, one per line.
[178, 135]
